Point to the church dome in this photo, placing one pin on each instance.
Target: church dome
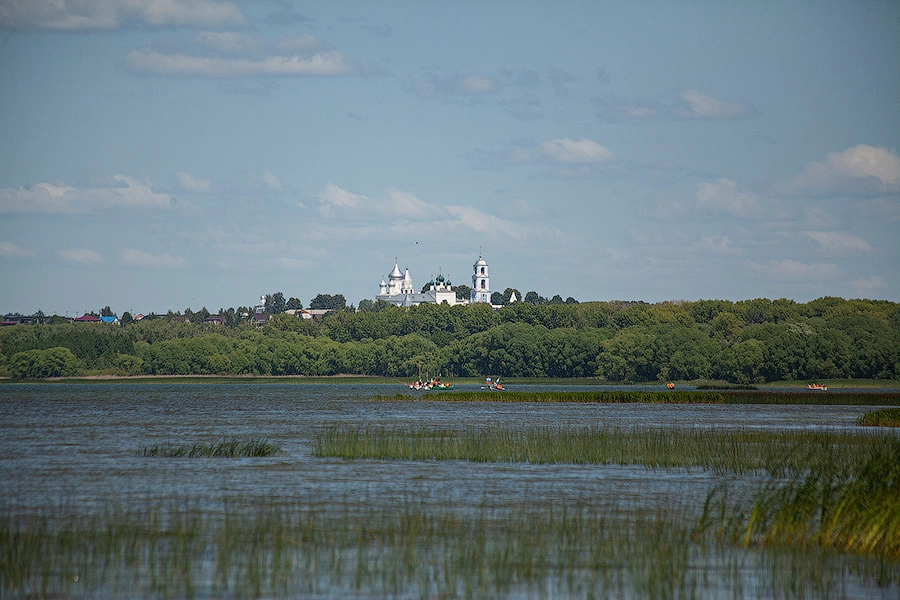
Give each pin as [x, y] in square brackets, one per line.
[396, 274]
[439, 279]
[480, 262]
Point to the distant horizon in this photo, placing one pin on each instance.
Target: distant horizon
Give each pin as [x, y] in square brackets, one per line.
[178, 153]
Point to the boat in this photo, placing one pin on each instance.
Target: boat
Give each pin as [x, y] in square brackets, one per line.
[430, 384]
[816, 386]
[493, 385]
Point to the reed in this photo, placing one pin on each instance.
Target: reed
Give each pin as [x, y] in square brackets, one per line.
[606, 396]
[733, 451]
[886, 417]
[855, 509]
[268, 548]
[810, 397]
[218, 449]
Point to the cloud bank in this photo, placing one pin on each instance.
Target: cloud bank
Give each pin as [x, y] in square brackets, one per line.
[123, 192]
[107, 15]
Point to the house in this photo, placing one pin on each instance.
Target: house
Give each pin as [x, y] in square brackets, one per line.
[112, 319]
[86, 319]
[260, 318]
[215, 320]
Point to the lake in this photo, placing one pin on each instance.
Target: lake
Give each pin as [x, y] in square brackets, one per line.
[79, 445]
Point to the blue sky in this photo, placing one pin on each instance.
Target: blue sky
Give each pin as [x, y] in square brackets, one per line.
[166, 154]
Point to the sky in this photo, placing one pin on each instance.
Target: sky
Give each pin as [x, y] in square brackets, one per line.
[160, 155]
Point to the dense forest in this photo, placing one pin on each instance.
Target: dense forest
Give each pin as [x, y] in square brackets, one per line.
[750, 341]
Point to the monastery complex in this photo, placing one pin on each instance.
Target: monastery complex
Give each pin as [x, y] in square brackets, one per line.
[399, 289]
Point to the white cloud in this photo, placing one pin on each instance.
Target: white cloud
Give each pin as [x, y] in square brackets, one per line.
[12, 250]
[473, 218]
[687, 105]
[795, 270]
[569, 151]
[867, 287]
[459, 85]
[122, 192]
[137, 258]
[476, 84]
[216, 67]
[81, 256]
[858, 171]
[186, 182]
[839, 242]
[723, 195]
[335, 197]
[700, 106]
[115, 14]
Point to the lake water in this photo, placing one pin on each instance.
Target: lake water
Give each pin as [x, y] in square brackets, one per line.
[80, 444]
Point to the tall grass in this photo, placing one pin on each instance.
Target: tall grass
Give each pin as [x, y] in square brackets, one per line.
[218, 449]
[272, 549]
[717, 396]
[733, 451]
[854, 509]
[886, 417]
[608, 396]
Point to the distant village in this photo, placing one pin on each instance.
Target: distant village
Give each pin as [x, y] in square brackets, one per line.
[397, 289]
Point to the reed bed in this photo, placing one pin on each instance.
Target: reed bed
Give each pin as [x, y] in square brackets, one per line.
[218, 449]
[738, 451]
[812, 397]
[733, 395]
[280, 550]
[608, 396]
[886, 417]
[855, 509]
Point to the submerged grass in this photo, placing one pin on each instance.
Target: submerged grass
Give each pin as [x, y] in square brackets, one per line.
[886, 417]
[273, 549]
[219, 449]
[734, 451]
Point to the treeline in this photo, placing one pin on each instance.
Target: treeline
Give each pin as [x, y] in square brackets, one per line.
[751, 341]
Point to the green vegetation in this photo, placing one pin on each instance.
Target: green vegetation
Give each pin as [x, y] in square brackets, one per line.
[611, 397]
[743, 343]
[265, 548]
[886, 417]
[853, 506]
[219, 449]
[735, 451]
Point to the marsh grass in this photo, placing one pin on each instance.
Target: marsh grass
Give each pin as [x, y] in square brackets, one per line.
[886, 417]
[852, 508]
[218, 449]
[811, 397]
[274, 549]
[731, 395]
[733, 451]
[606, 396]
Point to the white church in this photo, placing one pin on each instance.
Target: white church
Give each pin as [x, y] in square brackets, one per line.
[399, 289]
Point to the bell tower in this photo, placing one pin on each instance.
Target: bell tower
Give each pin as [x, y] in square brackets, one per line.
[481, 283]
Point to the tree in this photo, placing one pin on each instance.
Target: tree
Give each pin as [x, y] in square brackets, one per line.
[532, 297]
[462, 292]
[497, 298]
[275, 303]
[293, 304]
[106, 312]
[126, 318]
[328, 302]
